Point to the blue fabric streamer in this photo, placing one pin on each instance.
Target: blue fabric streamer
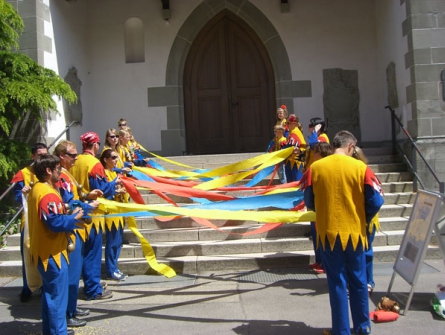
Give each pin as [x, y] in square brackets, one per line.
[260, 176]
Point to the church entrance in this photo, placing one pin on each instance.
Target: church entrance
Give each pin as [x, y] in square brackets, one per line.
[229, 89]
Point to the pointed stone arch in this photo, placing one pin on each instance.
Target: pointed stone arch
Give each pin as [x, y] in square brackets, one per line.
[171, 96]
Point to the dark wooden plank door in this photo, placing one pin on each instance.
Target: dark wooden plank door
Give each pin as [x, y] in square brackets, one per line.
[229, 92]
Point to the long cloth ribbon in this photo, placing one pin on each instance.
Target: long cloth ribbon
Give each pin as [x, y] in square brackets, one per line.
[272, 216]
[149, 252]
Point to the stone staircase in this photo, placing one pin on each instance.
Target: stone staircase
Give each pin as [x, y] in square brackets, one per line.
[191, 249]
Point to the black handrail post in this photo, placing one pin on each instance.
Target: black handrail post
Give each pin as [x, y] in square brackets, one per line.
[393, 129]
[442, 187]
[414, 165]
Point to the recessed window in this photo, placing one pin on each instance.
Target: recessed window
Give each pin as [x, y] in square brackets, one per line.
[134, 41]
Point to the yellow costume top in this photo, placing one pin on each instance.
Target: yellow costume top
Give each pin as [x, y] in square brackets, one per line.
[115, 221]
[338, 185]
[87, 165]
[296, 139]
[44, 200]
[125, 154]
[68, 182]
[27, 176]
[310, 155]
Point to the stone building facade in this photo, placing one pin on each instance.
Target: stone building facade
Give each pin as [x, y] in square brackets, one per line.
[341, 60]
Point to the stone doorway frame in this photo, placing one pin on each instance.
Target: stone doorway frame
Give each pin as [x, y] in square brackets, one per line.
[171, 95]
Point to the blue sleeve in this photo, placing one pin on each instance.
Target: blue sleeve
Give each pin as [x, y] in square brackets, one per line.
[67, 197]
[309, 198]
[60, 223]
[140, 162]
[373, 202]
[313, 139]
[18, 191]
[115, 169]
[102, 184]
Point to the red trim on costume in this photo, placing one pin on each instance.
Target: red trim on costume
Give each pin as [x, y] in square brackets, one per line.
[51, 203]
[98, 171]
[372, 180]
[18, 177]
[306, 180]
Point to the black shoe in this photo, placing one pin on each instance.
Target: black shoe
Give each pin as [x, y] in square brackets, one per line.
[75, 322]
[24, 297]
[70, 331]
[81, 312]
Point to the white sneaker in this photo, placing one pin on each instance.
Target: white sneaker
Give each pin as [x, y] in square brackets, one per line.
[117, 276]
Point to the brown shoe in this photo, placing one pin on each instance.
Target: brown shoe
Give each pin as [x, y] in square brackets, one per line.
[104, 295]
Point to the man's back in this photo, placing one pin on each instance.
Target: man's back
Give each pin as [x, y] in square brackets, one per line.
[338, 187]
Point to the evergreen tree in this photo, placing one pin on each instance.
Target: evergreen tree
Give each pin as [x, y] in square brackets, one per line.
[26, 88]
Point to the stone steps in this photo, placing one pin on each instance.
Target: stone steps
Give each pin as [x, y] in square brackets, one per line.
[191, 248]
[234, 262]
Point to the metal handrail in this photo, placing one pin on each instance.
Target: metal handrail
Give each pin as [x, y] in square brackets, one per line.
[67, 128]
[413, 164]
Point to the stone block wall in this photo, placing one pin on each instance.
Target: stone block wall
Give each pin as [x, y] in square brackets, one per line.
[32, 43]
[425, 29]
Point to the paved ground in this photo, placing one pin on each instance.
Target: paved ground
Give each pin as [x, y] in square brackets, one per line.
[291, 301]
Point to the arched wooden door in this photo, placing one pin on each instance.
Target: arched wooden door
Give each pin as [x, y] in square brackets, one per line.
[229, 91]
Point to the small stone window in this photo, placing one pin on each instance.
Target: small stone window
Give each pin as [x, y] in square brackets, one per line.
[134, 41]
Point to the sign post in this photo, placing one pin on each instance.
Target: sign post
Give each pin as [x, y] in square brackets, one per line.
[416, 239]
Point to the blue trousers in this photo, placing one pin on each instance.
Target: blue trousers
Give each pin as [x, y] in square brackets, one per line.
[54, 296]
[26, 291]
[347, 268]
[281, 173]
[370, 257]
[74, 271]
[92, 263]
[293, 174]
[314, 242]
[113, 248]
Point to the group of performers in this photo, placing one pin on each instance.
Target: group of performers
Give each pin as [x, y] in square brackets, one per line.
[59, 190]
[288, 132]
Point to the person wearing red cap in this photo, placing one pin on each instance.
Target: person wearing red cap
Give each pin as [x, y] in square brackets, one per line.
[89, 172]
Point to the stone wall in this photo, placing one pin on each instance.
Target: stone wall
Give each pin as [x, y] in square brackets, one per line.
[32, 43]
[425, 29]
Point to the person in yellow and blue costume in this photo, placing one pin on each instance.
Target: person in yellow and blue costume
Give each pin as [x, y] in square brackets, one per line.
[279, 143]
[48, 228]
[294, 164]
[317, 131]
[316, 128]
[114, 226]
[24, 179]
[89, 172]
[373, 227]
[345, 194]
[69, 190]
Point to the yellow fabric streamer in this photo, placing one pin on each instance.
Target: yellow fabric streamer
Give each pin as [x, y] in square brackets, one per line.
[149, 252]
[212, 214]
[166, 159]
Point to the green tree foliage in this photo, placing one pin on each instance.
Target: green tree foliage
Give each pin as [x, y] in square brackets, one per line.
[25, 87]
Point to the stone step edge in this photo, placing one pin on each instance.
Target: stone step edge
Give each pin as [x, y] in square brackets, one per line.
[161, 244]
[16, 237]
[238, 262]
